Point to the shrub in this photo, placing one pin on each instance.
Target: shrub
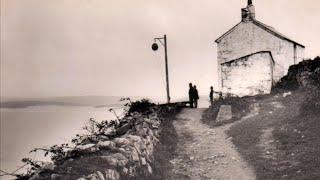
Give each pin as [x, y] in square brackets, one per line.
[143, 106]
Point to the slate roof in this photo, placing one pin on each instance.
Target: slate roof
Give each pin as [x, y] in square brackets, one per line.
[264, 27]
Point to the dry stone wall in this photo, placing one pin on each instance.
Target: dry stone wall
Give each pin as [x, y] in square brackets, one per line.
[132, 152]
[124, 157]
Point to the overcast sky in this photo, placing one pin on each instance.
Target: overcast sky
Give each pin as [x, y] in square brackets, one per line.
[102, 47]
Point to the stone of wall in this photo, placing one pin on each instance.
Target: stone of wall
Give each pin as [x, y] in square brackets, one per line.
[250, 75]
[248, 38]
[224, 114]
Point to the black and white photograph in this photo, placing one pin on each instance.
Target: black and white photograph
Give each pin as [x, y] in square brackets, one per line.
[160, 90]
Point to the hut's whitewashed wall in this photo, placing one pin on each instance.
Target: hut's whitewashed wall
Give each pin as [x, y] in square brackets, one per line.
[248, 76]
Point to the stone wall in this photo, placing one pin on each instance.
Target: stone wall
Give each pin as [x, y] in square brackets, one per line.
[249, 75]
[248, 38]
[127, 156]
[132, 152]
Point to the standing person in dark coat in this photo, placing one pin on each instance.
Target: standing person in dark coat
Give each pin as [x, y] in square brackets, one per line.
[191, 95]
[211, 95]
[196, 96]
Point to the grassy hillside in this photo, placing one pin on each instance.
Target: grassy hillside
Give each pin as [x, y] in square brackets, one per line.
[282, 141]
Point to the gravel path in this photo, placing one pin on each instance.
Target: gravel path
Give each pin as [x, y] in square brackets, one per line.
[205, 153]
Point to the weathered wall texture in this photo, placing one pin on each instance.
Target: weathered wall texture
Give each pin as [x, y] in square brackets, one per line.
[250, 75]
[248, 38]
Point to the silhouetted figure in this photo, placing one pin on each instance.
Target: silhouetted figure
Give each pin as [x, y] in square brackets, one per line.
[211, 95]
[191, 95]
[196, 96]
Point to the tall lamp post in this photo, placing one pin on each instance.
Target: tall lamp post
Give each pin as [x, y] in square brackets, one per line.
[155, 47]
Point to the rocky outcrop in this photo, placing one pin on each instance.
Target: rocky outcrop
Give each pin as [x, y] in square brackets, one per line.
[305, 74]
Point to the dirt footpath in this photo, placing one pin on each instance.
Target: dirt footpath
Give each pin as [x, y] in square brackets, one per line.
[205, 153]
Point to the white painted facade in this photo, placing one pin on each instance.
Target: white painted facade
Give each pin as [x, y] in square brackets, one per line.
[248, 76]
[247, 38]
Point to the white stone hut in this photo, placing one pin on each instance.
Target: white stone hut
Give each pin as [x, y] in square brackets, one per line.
[252, 56]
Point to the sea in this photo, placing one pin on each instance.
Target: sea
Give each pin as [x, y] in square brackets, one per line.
[23, 129]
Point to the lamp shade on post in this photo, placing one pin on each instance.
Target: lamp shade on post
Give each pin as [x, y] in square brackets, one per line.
[155, 46]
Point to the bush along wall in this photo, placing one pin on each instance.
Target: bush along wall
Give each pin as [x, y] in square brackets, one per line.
[120, 149]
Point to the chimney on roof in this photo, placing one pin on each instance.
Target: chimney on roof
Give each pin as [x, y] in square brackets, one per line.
[248, 13]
